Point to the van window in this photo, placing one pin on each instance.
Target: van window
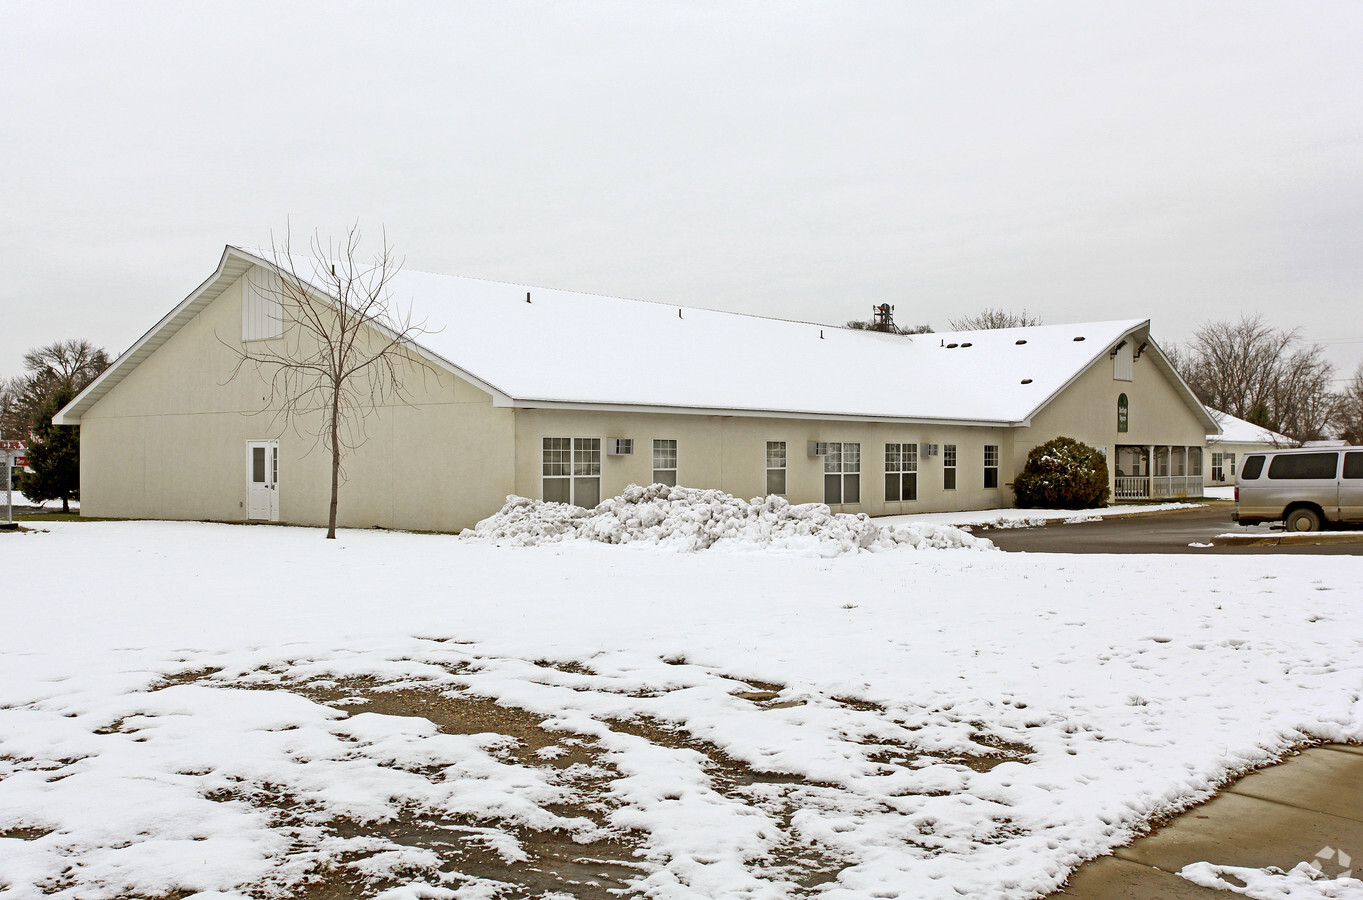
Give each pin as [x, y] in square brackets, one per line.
[1304, 465]
[1353, 465]
[1251, 467]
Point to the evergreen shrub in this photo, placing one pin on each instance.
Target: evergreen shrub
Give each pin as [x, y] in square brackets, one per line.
[1062, 474]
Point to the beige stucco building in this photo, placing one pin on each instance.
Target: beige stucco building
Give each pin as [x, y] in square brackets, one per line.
[1236, 439]
[571, 397]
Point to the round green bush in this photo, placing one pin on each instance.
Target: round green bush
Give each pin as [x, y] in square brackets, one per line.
[1062, 474]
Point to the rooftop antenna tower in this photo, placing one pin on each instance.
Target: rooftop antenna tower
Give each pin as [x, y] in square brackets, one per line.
[883, 317]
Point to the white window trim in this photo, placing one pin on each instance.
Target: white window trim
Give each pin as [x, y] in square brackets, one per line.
[907, 465]
[664, 470]
[781, 468]
[576, 446]
[846, 476]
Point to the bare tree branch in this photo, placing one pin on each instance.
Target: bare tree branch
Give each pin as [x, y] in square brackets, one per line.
[990, 318]
[1252, 371]
[346, 348]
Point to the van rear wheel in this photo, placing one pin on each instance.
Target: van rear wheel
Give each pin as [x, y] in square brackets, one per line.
[1303, 520]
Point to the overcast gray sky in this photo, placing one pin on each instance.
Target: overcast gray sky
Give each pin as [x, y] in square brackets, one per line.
[1177, 161]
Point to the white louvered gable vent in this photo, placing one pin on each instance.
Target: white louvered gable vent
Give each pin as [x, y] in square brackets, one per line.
[1122, 358]
[262, 315]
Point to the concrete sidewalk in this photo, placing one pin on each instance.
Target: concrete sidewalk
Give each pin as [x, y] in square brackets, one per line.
[1279, 816]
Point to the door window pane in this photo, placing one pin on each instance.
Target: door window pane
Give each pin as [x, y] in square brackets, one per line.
[257, 465]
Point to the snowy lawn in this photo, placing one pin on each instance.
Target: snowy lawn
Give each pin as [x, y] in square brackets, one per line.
[211, 708]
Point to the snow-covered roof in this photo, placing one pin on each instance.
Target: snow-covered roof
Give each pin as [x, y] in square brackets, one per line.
[1238, 431]
[571, 349]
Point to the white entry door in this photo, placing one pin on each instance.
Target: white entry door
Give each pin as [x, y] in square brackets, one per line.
[262, 480]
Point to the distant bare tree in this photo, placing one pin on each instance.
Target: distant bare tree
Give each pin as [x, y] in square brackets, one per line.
[873, 325]
[347, 347]
[1349, 412]
[990, 318]
[73, 362]
[1259, 373]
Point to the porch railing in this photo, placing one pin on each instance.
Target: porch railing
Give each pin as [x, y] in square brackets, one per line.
[1132, 487]
[1158, 487]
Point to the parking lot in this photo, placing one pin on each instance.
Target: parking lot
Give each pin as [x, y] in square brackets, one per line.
[1178, 531]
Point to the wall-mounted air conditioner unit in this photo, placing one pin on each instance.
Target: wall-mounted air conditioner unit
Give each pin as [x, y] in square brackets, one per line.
[818, 448]
[619, 446]
[931, 449]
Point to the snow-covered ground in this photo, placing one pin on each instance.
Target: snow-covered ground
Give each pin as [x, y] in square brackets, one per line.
[1220, 492]
[182, 708]
[18, 499]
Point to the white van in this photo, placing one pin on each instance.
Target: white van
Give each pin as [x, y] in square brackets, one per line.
[1307, 488]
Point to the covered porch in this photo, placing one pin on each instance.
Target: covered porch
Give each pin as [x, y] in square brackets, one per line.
[1157, 472]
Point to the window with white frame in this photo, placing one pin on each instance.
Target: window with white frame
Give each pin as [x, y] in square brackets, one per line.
[901, 472]
[572, 471]
[842, 474]
[1218, 467]
[991, 465]
[1228, 462]
[776, 467]
[665, 462]
[948, 467]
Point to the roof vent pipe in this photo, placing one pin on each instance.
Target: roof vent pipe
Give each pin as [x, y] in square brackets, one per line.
[527, 296]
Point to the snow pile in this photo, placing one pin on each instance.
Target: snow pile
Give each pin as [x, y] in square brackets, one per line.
[1303, 882]
[691, 519]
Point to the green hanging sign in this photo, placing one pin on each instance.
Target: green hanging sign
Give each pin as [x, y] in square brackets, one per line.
[1121, 413]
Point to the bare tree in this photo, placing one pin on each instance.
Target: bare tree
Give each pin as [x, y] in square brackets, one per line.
[1259, 373]
[1349, 412]
[346, 350]
[74, 363]
[990, 318]
[66, 366]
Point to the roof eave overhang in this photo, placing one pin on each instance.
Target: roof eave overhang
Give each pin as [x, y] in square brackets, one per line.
[234, 263]
[1141, 330]
[736, 412]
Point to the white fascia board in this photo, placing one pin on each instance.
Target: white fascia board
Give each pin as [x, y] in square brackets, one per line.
[1080, 370]
[226, 273]
[522, 403]
[499, 397]
[1189, 398]
[234, 263]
